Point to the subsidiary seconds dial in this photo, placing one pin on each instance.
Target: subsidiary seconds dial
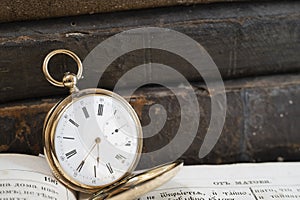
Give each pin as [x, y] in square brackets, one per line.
[118, 128]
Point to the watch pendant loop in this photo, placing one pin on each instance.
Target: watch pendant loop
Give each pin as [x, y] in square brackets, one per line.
[66, 52]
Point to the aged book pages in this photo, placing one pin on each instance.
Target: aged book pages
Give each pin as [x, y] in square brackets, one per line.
[29, 177]
[279, 181]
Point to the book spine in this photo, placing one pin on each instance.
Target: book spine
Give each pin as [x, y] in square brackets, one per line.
[261, 122]
[243, 39]
[32, 9]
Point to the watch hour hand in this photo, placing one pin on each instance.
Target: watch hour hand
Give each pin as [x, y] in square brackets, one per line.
[98, 155]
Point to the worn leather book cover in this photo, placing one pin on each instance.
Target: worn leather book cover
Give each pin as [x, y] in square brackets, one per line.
[33, 9]
[261, 124]
[243, 39]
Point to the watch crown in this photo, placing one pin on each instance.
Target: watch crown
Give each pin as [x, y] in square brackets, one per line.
[70, 81]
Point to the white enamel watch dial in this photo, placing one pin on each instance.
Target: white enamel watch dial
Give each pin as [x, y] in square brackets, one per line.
[95, 137]
[90, 154]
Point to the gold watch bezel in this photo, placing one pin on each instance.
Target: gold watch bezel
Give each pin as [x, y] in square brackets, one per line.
[49, 130]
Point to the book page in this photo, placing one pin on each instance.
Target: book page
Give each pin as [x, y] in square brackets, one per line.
[24, 177]
[276, 181]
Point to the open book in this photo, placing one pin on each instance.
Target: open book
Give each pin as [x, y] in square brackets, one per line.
[29, 177]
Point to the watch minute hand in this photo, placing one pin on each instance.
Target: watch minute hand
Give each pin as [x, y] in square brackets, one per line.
[97, 141]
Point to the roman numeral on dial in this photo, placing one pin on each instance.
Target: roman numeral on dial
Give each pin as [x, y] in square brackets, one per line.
[109, 168]
[73, 122]
[128, 143]
[100, 109]
[68, 138]
[80, 166]
[85, 112]
[120, 158]
[71, 153]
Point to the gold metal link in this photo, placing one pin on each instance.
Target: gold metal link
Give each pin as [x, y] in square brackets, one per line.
[66, 52]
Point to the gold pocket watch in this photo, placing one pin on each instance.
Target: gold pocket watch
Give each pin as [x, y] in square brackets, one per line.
[93, 141]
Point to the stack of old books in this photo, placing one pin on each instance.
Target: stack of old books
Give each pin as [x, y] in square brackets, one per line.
[255, 46]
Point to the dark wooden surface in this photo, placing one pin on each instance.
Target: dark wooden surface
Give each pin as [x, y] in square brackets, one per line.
[244, 39]
[262, 122]
[34, 9]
